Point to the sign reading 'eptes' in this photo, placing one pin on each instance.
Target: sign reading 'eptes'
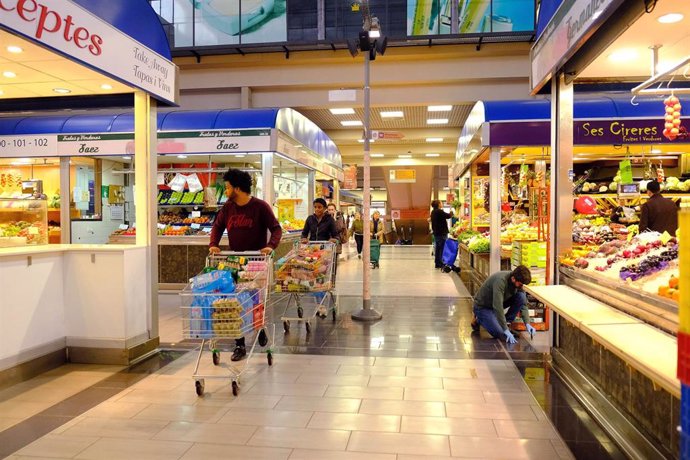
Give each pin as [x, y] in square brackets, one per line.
[75, 32]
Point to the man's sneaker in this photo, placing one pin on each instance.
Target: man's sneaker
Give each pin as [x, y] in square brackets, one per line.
[239, 354]
[263, 338]
[475, 324]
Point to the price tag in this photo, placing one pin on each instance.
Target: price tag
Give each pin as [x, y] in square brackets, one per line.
[196, 214]
[196, 226]
[162, 226]
[207, 229]
[123, 226]
[134, 225]
[33, 231]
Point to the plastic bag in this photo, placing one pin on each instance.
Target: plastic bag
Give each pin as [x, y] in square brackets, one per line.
[220, 281]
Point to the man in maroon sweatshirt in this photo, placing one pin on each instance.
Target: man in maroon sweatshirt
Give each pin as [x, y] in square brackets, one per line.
[247, 221]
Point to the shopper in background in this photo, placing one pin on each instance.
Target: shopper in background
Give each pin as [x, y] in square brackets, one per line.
[659, 214]
[501, 291]
[320, 226]
[247, 221]
[357, 229]
[340, 225]
[439, 230]
[376, 227]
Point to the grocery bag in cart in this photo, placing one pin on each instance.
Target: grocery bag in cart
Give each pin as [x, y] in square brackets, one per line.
[200, 321]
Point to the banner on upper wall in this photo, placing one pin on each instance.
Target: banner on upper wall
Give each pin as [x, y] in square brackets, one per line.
[433, 17]
[350, 182]
[223, 22]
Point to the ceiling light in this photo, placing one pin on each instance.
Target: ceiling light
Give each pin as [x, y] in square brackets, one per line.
[437, 121]
[361, 141]
[126, 158]
[14, 49]
[404, 156]
[351, 123]
[393, 114]
[8, 74]
[106, 86]
[182, 156]
[432, 155]
[376, 155]
[240, 155]
[670, 18]
[434, 139]
[440, 108]
[21, 161]
[62, 90]
[297, 146]
[1, 92]
[342, 111]
[656, 151]
[625, 54]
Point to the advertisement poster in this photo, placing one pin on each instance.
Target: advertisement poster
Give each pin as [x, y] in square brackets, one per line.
[433, 17]
[223, 22]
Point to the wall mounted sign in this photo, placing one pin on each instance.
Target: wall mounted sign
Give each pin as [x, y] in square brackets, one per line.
[402, 176]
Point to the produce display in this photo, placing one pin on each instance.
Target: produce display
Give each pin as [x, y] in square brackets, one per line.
[306, 268]
[292, 225]
[169, 197]
[599, 230]
[172, 218]
[20, 233]
[518, 232]
[479, 244]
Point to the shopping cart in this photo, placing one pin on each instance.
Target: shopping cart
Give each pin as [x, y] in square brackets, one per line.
[308, 271]
[227, 301]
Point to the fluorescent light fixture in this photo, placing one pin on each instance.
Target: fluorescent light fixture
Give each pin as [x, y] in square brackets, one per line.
[393, 114]
[351, 123]
[1, 92]
[9, 74]
[361, 141]
[437, 121]
[625, 54]
[434, 139]
[62, 90]
[182, 156]
[440, 108]
[240, 155]
[376, 155]
[106, 86]
[404, 156]
[432, 155]
[297, 146]
[14, 49]
[343, 111]
[670, 18]
[127, 158]
[656, 151]
[21, 161]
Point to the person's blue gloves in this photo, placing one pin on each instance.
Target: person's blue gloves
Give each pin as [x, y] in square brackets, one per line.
[530, 329]
[509, 337]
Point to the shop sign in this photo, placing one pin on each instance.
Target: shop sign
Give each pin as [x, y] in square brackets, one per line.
[414, 214]
[350, 173]
[76, 33]
[402, 176]
[95, 144]
[219, 141]
[387, 135]
[28, 146]
[574, 22]
[395, 214]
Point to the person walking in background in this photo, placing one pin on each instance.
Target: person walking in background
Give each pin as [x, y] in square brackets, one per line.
[659, 214]
[320, 226]
[357, 229]
[439, 230]
[376, 227]
[247, 221]
[340, 225]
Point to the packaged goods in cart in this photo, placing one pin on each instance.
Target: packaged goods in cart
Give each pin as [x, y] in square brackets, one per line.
[305, 269]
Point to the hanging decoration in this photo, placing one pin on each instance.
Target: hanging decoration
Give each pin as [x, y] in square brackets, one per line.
[672, 125]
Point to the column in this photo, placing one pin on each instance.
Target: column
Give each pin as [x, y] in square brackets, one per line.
[65, 193]
[245, 97]
[495, 209]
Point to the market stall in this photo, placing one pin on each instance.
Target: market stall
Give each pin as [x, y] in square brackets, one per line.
[56, 305]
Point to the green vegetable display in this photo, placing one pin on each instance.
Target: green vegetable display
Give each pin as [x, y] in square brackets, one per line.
[479, 244]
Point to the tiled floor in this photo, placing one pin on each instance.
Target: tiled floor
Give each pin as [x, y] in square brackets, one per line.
[416, 385]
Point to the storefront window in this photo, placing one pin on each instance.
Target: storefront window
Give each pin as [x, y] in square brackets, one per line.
[85, 184]
[291, 187]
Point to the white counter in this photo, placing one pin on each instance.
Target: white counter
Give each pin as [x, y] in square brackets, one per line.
[90, 299]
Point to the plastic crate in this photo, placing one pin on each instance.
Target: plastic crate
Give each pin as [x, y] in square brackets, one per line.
[683, 368]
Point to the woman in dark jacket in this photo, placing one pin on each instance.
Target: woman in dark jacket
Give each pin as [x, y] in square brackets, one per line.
[320, 226]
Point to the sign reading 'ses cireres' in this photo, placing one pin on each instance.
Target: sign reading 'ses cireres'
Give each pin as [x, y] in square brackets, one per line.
[77, 33]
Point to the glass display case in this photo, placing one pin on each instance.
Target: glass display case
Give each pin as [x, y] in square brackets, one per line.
[291, 186]
[23, 222]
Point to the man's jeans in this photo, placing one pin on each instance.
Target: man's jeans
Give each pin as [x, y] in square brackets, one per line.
[439, 243]
[487, 316]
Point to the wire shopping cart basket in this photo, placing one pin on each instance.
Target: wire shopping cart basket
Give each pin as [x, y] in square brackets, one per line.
[227, 300]
[307, 271]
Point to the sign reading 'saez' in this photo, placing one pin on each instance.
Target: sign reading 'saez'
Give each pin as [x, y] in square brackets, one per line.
[49, 21]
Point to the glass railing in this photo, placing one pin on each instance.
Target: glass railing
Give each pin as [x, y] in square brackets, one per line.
[212, 23]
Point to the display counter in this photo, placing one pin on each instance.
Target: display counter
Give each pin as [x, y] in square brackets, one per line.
[474, 268]
[80, 303]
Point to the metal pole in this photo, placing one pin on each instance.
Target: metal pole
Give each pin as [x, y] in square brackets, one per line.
[366, 313]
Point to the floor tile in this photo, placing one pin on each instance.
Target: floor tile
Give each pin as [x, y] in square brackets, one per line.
[117, 449]
[116, 428]
[372, 370]
[181, 395]
[312, 404]
[6, 422]
[308, 454]
[448, 426]
[300, 437]
[416, 408]
[293, 389]
[221, 452]
[57, 446]
[490, 411]
[266, 417]
[212, 433]
[180, 413]
[492, 448]
[418, 394]
[419, 444]
[355, 422]
[525, 429]
[405, 382]
[364, 392]
[413, 362]
[344, 380]
[510, 398]
[448, 372]
[117, 410]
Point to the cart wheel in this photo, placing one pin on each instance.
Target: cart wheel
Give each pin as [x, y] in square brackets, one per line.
[199, 385]
[216, 357]
[286, 326]
[263, 338]
[333, 314]
[300, 312]
[269, 358]
[235, 388]
[308, 326]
